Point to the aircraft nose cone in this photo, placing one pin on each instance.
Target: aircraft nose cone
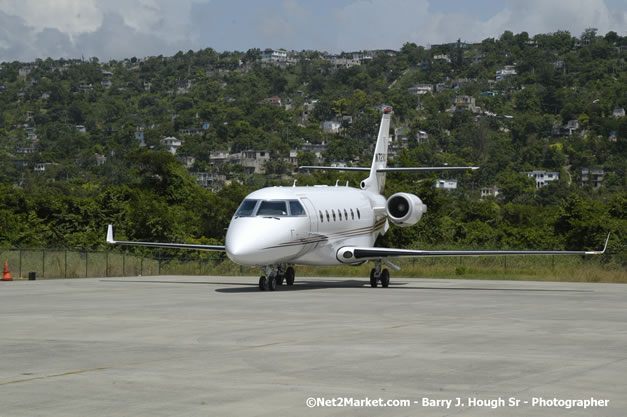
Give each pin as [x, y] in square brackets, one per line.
[258, 242]
[239, 249]
[241, 246]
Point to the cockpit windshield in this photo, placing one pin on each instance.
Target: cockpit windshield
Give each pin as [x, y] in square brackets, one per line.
[246, 209]
[270, 208]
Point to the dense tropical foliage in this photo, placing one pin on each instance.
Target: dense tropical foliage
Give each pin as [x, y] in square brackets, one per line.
[148, 194]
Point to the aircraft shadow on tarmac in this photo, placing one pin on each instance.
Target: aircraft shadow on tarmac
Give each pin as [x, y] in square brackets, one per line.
[318, 284]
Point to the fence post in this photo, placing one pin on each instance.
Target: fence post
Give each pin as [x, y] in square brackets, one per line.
[505, 262]
[141, 266]
[107, 264]
[20, 272]
[159, 266]
[86, 263]
[65, 266]
[123, 264]
[43, 263]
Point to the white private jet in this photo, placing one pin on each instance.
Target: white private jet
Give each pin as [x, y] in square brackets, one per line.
[277, 227]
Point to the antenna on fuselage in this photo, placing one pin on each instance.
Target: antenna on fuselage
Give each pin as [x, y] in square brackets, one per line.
[294, 185]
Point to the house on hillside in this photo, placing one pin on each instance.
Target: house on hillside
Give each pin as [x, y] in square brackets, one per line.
[506, 72]
[541, 177]
[420, 89]
[487, 192]
[100, 159]
[171, 144]
[274, 100]
[592, 176]
[461, 103]
[447, 185]
[331, 126]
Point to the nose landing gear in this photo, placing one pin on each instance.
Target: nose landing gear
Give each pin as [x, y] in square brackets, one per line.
[275, 275]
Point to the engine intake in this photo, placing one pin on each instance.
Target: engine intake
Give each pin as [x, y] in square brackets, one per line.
[405, 209]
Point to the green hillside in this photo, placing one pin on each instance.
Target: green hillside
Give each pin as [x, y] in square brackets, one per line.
[81, 142]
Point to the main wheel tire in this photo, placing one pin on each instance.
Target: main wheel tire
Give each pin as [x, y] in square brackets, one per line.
[373, 278]
[290, 275]
[385, 278]
[279, 279]
[263, 283]
[272, 283]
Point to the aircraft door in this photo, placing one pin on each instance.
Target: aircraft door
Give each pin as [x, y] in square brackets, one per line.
[311, 213]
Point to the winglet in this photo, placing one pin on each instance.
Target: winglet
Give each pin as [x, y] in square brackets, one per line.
[606, 240]
[110, 235]
[604, 247]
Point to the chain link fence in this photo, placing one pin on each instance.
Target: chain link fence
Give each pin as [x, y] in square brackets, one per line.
[48, 263]
[73, 263]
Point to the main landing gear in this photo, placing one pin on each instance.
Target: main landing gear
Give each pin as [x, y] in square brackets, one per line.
[379, 275]
[275, 275]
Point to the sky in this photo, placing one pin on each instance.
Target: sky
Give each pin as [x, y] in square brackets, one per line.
[118, 29]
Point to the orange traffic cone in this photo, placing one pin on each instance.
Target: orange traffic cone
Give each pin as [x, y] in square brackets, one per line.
[7, 274]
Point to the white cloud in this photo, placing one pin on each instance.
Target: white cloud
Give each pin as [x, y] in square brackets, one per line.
[68, 16]
[32, 29]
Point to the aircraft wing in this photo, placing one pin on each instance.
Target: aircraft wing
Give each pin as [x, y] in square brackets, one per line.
[161, 245]
[351, 254]
[391, 169]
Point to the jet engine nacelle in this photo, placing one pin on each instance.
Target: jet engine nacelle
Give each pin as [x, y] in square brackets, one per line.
[404, 209]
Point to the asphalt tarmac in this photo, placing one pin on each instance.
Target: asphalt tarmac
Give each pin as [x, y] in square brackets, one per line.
[217, 346]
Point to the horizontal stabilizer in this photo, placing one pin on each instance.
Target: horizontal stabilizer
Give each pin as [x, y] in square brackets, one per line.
[391, 169]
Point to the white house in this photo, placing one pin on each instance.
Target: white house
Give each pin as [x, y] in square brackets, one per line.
[505, 72]
[493, 191]
[331, 126]
[171, 144]
[276, 57]
[446, 184]
[444, 58]
[420, 89]
[461, 103]
[541, 177]
[619, 112]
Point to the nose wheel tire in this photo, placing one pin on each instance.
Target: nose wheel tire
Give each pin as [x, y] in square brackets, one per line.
[279, 279]
[263, 283]
[272, 283]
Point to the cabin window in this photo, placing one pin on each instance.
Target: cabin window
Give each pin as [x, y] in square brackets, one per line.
[246, 209]
[321, 217]
[339, 213]
[358, 214]
[352, 214]
[333, 212]
[345, 214]
[272, 208]
[296, 209]
[328, 217]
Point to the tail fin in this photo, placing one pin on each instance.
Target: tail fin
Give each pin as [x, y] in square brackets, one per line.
[376, 180]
